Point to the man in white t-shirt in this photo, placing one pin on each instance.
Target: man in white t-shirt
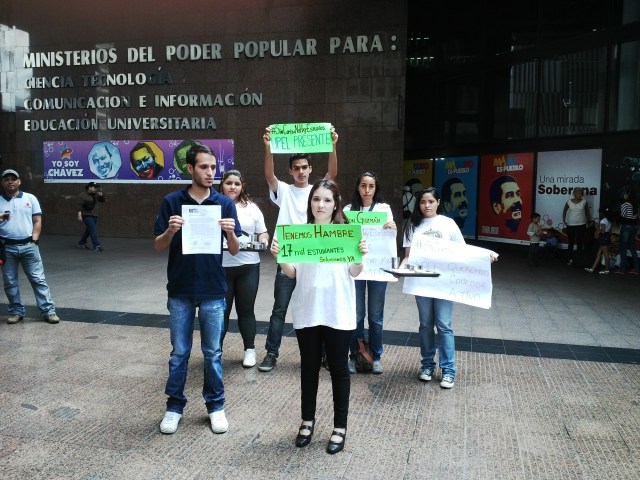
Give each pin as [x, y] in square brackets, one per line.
[292, 200]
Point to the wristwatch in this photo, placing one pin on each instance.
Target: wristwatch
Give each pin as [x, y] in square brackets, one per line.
[37, 242]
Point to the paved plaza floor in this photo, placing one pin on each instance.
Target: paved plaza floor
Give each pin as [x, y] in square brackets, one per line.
[548, 383]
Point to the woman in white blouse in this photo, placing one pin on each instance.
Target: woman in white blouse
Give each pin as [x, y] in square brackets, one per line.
[370, 294]
[243, 269]
[576, 216]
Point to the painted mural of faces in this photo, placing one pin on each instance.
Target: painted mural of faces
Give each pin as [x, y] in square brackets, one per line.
[104, 160]
[454, 199]
[506, 201]
[147, 160]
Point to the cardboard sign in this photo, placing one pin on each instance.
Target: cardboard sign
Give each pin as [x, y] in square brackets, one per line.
[315, 243]
[381, 243]
[465, 271]
[301, 138]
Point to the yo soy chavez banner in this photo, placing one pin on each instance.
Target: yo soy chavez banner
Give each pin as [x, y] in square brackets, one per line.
[128, 161]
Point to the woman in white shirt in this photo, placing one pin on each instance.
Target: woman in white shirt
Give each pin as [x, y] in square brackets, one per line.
[323, 310]
[433, 312]
[243, 269]
[368, 198]
[575, 216]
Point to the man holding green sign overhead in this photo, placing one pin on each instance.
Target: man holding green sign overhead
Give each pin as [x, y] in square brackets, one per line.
[292, 200]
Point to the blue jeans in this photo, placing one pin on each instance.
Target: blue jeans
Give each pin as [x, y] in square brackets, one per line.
[375, 306]
[242, 285]
[438, 312]
[211, 316]
[29, 256]
[628, 242]
[282, 290]
[90, 230]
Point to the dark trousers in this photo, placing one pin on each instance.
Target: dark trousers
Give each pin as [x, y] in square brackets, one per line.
[575, 236]
[242, 285]
[90, 230]
[336, 344]
[533, 253]
[282, 291]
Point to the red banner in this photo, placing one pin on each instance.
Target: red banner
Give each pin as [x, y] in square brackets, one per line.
[505, 197]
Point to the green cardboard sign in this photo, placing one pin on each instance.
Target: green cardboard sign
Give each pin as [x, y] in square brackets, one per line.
[366, 218]
[301, 138]
[319, 243]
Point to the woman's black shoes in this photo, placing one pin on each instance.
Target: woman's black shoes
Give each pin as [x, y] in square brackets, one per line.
[304, 440]
[333, 447]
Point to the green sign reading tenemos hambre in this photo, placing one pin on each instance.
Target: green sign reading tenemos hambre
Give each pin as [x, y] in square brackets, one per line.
[301, 138]
[319, 243]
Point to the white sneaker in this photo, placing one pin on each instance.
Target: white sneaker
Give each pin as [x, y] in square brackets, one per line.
[249, 358]
[219, 422]
[170, 422]
[447, 381]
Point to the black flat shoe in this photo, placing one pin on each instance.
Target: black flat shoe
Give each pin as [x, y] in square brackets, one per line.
[333, 447]
[304, 440]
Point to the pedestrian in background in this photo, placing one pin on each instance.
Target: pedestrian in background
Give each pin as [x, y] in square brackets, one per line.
[534, 231]
[576, 216]
[604, 240]
[20, 227]
[628, 230]
[88, 202]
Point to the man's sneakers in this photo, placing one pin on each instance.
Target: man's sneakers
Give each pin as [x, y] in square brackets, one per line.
[170, 422]
[426, 374]
[52, 318]
[447, 381]
[219, 423]
[267, 363]
[249, 359]
[14, 319]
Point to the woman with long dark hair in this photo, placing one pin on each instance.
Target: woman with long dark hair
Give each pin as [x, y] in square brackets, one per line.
[323, 310]
[243, 269]
[370, 294]
[433, 312]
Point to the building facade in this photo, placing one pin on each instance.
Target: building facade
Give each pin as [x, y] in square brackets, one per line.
[78, 74]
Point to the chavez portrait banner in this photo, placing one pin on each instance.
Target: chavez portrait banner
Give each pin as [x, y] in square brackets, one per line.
[456, 178]
[505, 198]
[128, 161]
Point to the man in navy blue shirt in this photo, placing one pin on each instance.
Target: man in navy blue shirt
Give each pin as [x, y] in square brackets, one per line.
[196, 281]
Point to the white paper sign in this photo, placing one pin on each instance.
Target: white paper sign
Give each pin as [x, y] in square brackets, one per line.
[465, 271]
[382, 246]
[201, 231]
